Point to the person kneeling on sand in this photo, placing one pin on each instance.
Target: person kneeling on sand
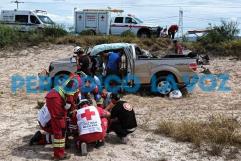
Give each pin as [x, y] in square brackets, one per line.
[52, 118]
[92, 125]
[123, 120]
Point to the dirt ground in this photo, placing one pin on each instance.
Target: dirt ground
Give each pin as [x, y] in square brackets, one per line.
[18, 113]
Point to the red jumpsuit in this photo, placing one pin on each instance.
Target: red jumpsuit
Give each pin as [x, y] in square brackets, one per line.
[56, 127]
[47, 138]
[55, 103]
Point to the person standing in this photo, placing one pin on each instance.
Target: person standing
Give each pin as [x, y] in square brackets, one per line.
[172, 31]
[113, 63]
[123, 120]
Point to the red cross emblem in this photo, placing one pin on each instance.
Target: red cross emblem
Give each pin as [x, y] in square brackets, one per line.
[88, 114]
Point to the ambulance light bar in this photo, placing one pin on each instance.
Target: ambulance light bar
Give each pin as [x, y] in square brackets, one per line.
[101, 10]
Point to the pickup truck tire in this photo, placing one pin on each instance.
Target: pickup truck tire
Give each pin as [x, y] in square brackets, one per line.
[163, 86]
[144, 33]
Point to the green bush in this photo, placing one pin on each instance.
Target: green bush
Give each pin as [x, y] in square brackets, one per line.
[225, 32]
[54, 31]
[8, 35]
[12, 37]
[219, 41]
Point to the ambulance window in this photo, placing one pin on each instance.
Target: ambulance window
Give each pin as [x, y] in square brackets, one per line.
[119, 20]
[21, 18]
[33, 19]
[130, 20]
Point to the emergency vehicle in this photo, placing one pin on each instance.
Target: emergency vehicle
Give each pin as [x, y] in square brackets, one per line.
[25, 20]
[101, 21]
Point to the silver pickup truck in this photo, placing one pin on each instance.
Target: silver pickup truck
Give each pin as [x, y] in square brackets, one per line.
[139, 63]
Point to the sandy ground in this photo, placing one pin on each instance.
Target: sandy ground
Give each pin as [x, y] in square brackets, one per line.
[18, 114]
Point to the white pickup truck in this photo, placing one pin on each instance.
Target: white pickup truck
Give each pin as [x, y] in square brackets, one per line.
[102, 22]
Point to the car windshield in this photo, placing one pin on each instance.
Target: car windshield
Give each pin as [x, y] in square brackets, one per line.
[138, 20]
[46, 19]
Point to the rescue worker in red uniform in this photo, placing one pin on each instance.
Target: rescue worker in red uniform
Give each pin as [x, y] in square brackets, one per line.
[96, 117]
[53, 117]
[172, 31]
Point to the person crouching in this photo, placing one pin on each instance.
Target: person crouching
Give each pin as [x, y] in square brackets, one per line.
[52, 118]
[123, 120]
[92, 125]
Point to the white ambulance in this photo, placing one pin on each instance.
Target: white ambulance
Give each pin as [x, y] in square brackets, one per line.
[100, 21]
[25, 20]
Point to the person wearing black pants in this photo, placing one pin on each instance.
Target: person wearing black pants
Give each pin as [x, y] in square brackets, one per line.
[123, 120]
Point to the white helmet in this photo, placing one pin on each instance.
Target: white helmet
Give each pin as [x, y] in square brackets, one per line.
[78, 50]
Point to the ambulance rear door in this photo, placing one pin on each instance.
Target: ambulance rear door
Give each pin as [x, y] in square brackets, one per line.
[104, 22]
[79, 21]
[91, 20]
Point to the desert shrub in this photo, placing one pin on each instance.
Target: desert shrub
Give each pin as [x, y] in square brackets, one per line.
[231, 48]
[39, 105]
[219, 41]
[8, 35]
[147, 42]
[218, 133]
[186, 131]
[54, 31]
[225, 32]
[12, 37]
[87, 33]
[151, 44]
[128, 33]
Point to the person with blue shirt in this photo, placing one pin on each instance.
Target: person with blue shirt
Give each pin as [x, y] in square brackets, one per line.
[113, 63]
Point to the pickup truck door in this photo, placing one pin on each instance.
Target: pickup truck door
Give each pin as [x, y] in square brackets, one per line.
[118, 26]
[131, 63]
[142, 66]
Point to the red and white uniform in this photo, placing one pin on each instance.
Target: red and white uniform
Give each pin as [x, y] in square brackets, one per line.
[91, 125]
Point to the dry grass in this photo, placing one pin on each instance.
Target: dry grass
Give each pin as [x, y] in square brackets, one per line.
[218, 133]
[153, 44]
[40, 104]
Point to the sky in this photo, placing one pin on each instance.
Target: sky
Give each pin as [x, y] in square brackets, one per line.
[198, 14]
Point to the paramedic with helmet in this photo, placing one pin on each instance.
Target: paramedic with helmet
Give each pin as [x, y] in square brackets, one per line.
[83, 60]
[52, 118]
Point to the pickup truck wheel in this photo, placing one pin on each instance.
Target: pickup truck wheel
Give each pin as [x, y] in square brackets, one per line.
[163, 86]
